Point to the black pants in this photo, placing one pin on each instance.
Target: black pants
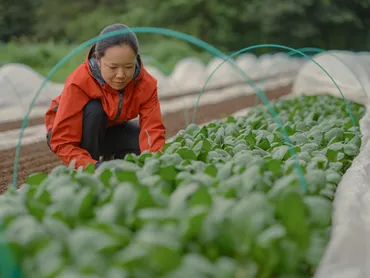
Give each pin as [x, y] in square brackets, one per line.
[114, 141]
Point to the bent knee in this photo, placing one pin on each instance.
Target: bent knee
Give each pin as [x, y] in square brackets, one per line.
[94, 109]
[133, 127]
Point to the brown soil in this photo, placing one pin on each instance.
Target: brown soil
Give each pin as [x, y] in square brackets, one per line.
[18, 124]
[38, 158]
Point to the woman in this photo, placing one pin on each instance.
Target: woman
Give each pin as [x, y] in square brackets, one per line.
[93, 116]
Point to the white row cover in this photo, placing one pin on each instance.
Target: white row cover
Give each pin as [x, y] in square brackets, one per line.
[191, 74]
[348, 252]
[349, 70]
[33, 134]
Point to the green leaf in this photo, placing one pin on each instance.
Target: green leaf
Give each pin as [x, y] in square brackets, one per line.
[250, 139]
[131, 257]
[203, 131]
[230, 119]
[319, 209]
[180, 195]
[316, 136]
[57, 229]
[264, 144]
[143, 156]
[90, 168]
[351, 150]
[89, 181]
[200, 264]
[331, 155]
[203, 144]
[310, 147]
[289, 131]
[42, 195]
[50, 260]
[266, 250]
[166, 146]
[36, 208]
[163, 249]
[225, 171]
[117, 272]
[315, 180]
[90, 240]
[107, 213]
[201, 197]
[280, 152]
[36, 178]
[316, 249]
[333, 176]
[240, 147]
[334, 132]
[274, 165]
[168, 173]
[250, 215]
[355, 141]
[193, 223]
[85, 200]
[105, 177]
[186, 153]
[131, 158]
[145, 198]
[127, 176]
[125, 197]
[173, 147]
[27, 232]
[291, 256]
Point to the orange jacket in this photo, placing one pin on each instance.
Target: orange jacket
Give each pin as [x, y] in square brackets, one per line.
[64, 115]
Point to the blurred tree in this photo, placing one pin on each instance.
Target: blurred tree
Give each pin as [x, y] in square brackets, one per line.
[228, 25]
[16, 18]
[53, 16]
[89, 23]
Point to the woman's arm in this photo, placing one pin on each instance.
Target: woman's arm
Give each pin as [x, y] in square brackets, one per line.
[67, 127]
[152, 134]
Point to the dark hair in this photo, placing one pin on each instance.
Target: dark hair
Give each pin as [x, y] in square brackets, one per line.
[126, 38]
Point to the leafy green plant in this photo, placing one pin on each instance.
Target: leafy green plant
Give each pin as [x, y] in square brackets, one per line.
[222, 200]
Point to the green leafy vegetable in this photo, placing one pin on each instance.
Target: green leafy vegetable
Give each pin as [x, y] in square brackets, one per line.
[223, 200]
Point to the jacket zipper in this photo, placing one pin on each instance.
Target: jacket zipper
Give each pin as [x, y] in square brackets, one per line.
[119, 104]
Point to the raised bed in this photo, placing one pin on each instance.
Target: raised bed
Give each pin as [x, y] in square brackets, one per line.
[224, 200]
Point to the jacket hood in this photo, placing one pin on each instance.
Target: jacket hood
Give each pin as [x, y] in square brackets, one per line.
[95, 68]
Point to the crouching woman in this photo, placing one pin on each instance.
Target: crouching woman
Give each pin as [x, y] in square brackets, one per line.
[95, 115]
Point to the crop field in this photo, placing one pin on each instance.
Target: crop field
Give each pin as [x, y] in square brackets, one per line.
[246, 195]
[223, 200]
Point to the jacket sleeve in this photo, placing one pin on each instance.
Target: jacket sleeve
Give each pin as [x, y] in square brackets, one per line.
[67, 128]
[152, 133]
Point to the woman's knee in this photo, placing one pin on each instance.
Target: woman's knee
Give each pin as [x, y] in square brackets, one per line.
[133, 127]
[93, 128]
[94, 111]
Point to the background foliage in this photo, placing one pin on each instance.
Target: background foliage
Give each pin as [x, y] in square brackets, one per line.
[40, 32]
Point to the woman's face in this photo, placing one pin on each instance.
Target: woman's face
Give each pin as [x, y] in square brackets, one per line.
[117, 66]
